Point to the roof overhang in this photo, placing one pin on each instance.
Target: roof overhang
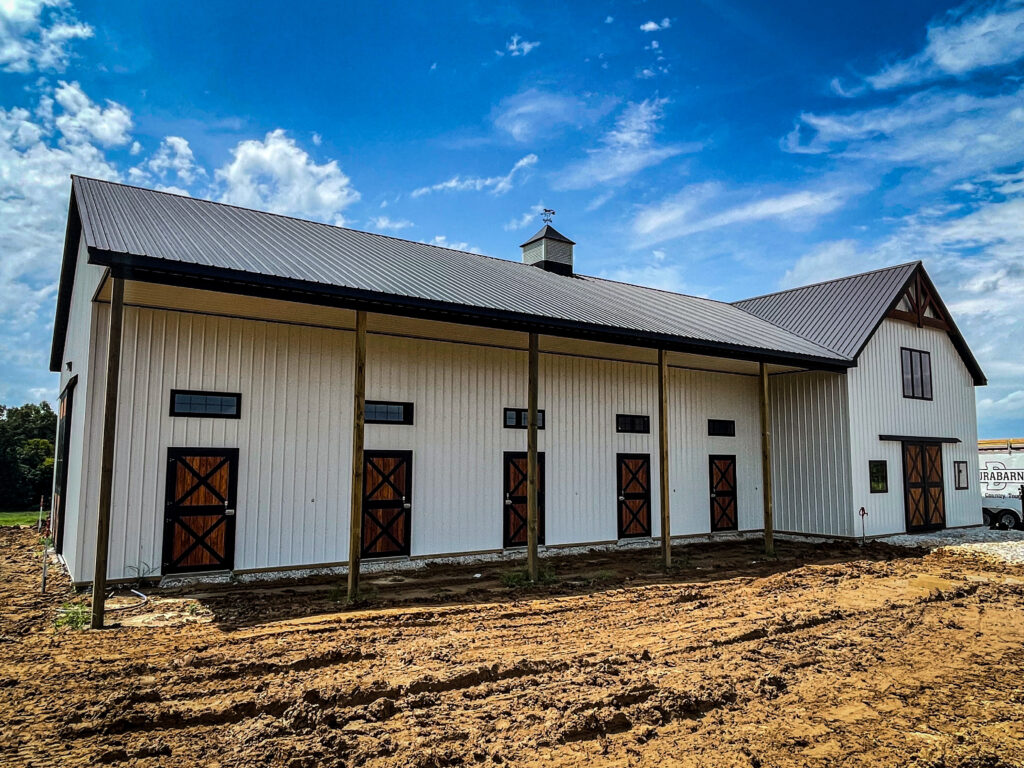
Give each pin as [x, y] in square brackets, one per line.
[177, 273]
[69, 261]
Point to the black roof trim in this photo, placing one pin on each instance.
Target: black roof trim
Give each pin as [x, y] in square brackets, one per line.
[69, 261]
[915, 439]
[205, 277]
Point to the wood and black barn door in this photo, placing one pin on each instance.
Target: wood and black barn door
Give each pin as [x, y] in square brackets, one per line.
[634, 494]
[514, 506]
[923, 487]
[60, 465]
[387, 503]
[199, 519]
[723, 493]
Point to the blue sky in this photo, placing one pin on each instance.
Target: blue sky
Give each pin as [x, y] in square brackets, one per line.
[723, 149]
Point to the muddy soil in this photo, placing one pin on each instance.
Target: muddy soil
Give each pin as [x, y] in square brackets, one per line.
[828, 655]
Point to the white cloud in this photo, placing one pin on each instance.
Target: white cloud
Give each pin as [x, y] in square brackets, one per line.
[600, 200]
[609, 19]
[967, 39]
[277, 175]
[442, 241]
[173, 159]
[387, 223]
[653, 272]
[524, 221]
[701, 207]
[516, 46]
[534, 114]
[654, 26]
[496, 185]
[951, 134]
[36, 34]
[627, 148]
[35, 164]
[85, 121]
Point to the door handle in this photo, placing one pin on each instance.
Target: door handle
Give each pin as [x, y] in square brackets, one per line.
[229, 513]
[713, 495]
[622, 498]
[508, 502]
[407, 506]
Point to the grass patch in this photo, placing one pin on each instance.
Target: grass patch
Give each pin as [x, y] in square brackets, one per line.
[21, 518]
[519, 578]
[73, 616]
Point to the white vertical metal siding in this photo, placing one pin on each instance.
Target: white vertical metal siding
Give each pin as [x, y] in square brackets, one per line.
[695, 397]
[294, 437]
[877, 407]
[811, 483]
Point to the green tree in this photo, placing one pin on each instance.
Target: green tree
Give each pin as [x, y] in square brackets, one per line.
[26, 454]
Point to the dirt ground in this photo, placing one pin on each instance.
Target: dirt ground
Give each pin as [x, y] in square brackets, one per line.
[828, 655]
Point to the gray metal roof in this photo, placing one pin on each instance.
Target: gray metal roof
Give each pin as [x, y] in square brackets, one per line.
[843, 314]
[838, 314]
[140, 229]
[549, 232]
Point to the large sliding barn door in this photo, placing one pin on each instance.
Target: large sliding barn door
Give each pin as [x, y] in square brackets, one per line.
[634, 486]
[199, 519]
[923, 487]
[387, 503]
[514, 507]
[723, 493]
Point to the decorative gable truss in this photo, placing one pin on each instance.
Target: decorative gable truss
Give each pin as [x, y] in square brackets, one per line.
[919, 304]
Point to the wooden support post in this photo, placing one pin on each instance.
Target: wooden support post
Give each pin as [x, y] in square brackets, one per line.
[99, 579]
[666, 524]
[532, 566]
[355, 537]
[766, 465]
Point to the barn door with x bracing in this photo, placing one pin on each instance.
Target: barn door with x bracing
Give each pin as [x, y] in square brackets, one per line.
[723, 493]
[514, 507]
[387, 502]
[922, 484]
[199, 519]
[634, 482]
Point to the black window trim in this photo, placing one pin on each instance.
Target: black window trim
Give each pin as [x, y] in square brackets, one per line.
[956, 476]
[633, 423]
[172, 411]
[408, 413]
[918, 357]
[521, 418]
[885, 472]
[729, 426]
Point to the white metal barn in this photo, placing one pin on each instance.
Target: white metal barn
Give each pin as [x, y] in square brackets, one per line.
[229, 427]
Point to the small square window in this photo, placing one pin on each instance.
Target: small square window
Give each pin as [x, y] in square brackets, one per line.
[721, 428]
[517, 418]
[879, 472]
[628, 422]
[381, 412]
[205, 404]
[962, 478]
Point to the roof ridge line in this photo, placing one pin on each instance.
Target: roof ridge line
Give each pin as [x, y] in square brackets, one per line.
[916, 262]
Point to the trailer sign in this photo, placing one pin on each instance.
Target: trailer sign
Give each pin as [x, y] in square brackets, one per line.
[996, 476]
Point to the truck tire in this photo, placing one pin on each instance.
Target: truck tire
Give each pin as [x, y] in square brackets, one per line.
[988, 518]
[1008, 518]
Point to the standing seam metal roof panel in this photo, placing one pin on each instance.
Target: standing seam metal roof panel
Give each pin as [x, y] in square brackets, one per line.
[178, 229]
[839, 314]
